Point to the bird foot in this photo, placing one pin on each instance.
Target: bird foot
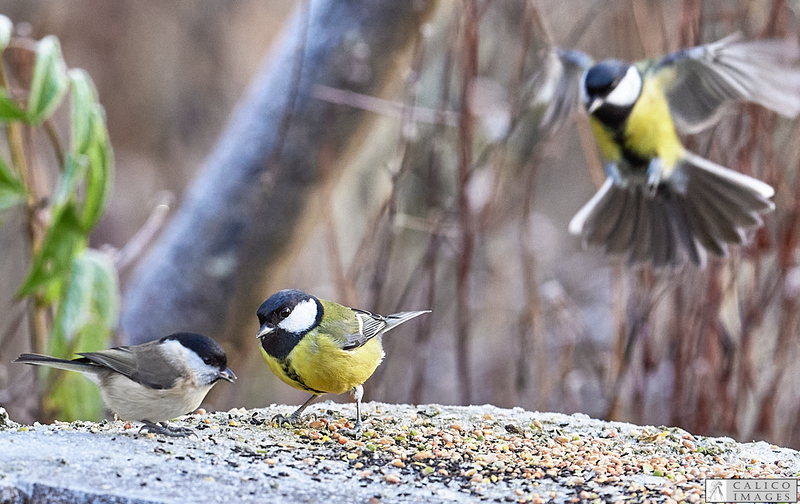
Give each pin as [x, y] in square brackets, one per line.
[355, 432]
[165, 430]
[293, 420]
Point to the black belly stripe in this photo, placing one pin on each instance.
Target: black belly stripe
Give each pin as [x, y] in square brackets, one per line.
[634, 160]
[287, 368]
[614, 119]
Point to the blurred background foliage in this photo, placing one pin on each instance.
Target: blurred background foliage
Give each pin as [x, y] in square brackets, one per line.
[456, 205]
[71, 291]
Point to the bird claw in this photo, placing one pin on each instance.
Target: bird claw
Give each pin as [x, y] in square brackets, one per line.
[165, 430]
[293, 420]
[354, 433]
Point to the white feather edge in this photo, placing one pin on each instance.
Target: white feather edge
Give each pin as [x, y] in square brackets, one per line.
[579, 220]
[763, 189]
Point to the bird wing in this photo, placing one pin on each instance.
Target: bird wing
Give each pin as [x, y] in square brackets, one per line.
[352, 328]
[369, 326]
[701, 81]
[144, 364]
[558, 84]
[373, 325]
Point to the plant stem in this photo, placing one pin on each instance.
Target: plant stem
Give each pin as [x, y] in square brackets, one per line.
[58, 147]
[15, 143]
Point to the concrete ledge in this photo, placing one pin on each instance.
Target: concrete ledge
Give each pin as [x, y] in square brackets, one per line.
[426, 453]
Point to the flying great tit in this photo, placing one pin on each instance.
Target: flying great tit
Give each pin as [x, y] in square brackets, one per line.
[322, 347]
[661, 203]
[152, 382]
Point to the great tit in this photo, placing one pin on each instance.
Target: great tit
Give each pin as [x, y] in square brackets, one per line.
[661, 203]
[152, 382]
[322, 347]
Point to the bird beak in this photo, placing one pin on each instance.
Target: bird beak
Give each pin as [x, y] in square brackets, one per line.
[265, 330]
[596, 104]
[227, 375]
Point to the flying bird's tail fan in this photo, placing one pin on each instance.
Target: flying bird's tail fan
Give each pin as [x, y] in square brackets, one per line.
[700, 207]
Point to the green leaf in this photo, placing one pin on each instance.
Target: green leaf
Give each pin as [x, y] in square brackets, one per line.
[9, 110]
[82, 109]
[74, 172]
[90, 140]
[91, 301]
[87, 314]
[6, 29]
[99, 177]
[64, 239]
[12, 190]
[74, 397]
[49, 82]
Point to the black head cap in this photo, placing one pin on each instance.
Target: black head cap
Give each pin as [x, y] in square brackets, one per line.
[603, 77]
[205, 347]
[282, 301]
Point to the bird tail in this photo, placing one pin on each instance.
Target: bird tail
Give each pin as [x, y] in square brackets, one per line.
[700, 207]
[81, 365]
[396, 319]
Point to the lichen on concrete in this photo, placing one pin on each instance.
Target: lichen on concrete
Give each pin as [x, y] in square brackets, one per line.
[428, 453]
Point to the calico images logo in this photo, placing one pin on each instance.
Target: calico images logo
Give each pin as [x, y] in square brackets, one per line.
[751, 490]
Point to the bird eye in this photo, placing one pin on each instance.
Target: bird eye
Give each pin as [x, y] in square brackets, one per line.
[285, 312]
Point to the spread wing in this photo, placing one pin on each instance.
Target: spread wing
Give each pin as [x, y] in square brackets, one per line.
[143, 364]
[701, 81]
[558, 85]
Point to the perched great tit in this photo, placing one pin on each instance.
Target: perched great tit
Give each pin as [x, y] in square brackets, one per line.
[661, 203]
[322, 347]
[152, 382]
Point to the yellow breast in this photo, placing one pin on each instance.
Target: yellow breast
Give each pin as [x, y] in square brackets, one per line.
[649, 131]
[320, 364]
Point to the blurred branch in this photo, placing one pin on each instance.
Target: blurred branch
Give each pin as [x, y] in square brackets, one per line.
[344, 287]
[691, 28]
[469, 72]
[386, 108]
[132, 250]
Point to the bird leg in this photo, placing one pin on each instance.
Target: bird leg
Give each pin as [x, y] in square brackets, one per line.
[613, 172]
[165, 430]
[654, 171]
[294, 418]
[358, 393]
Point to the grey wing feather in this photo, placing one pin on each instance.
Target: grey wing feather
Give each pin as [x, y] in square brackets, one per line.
[709, 77]
[558, 84]
[375, 325]
[144, 364]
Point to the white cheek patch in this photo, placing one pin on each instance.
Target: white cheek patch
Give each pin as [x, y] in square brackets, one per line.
[627, 91]
[181, 356]
[302, 317]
